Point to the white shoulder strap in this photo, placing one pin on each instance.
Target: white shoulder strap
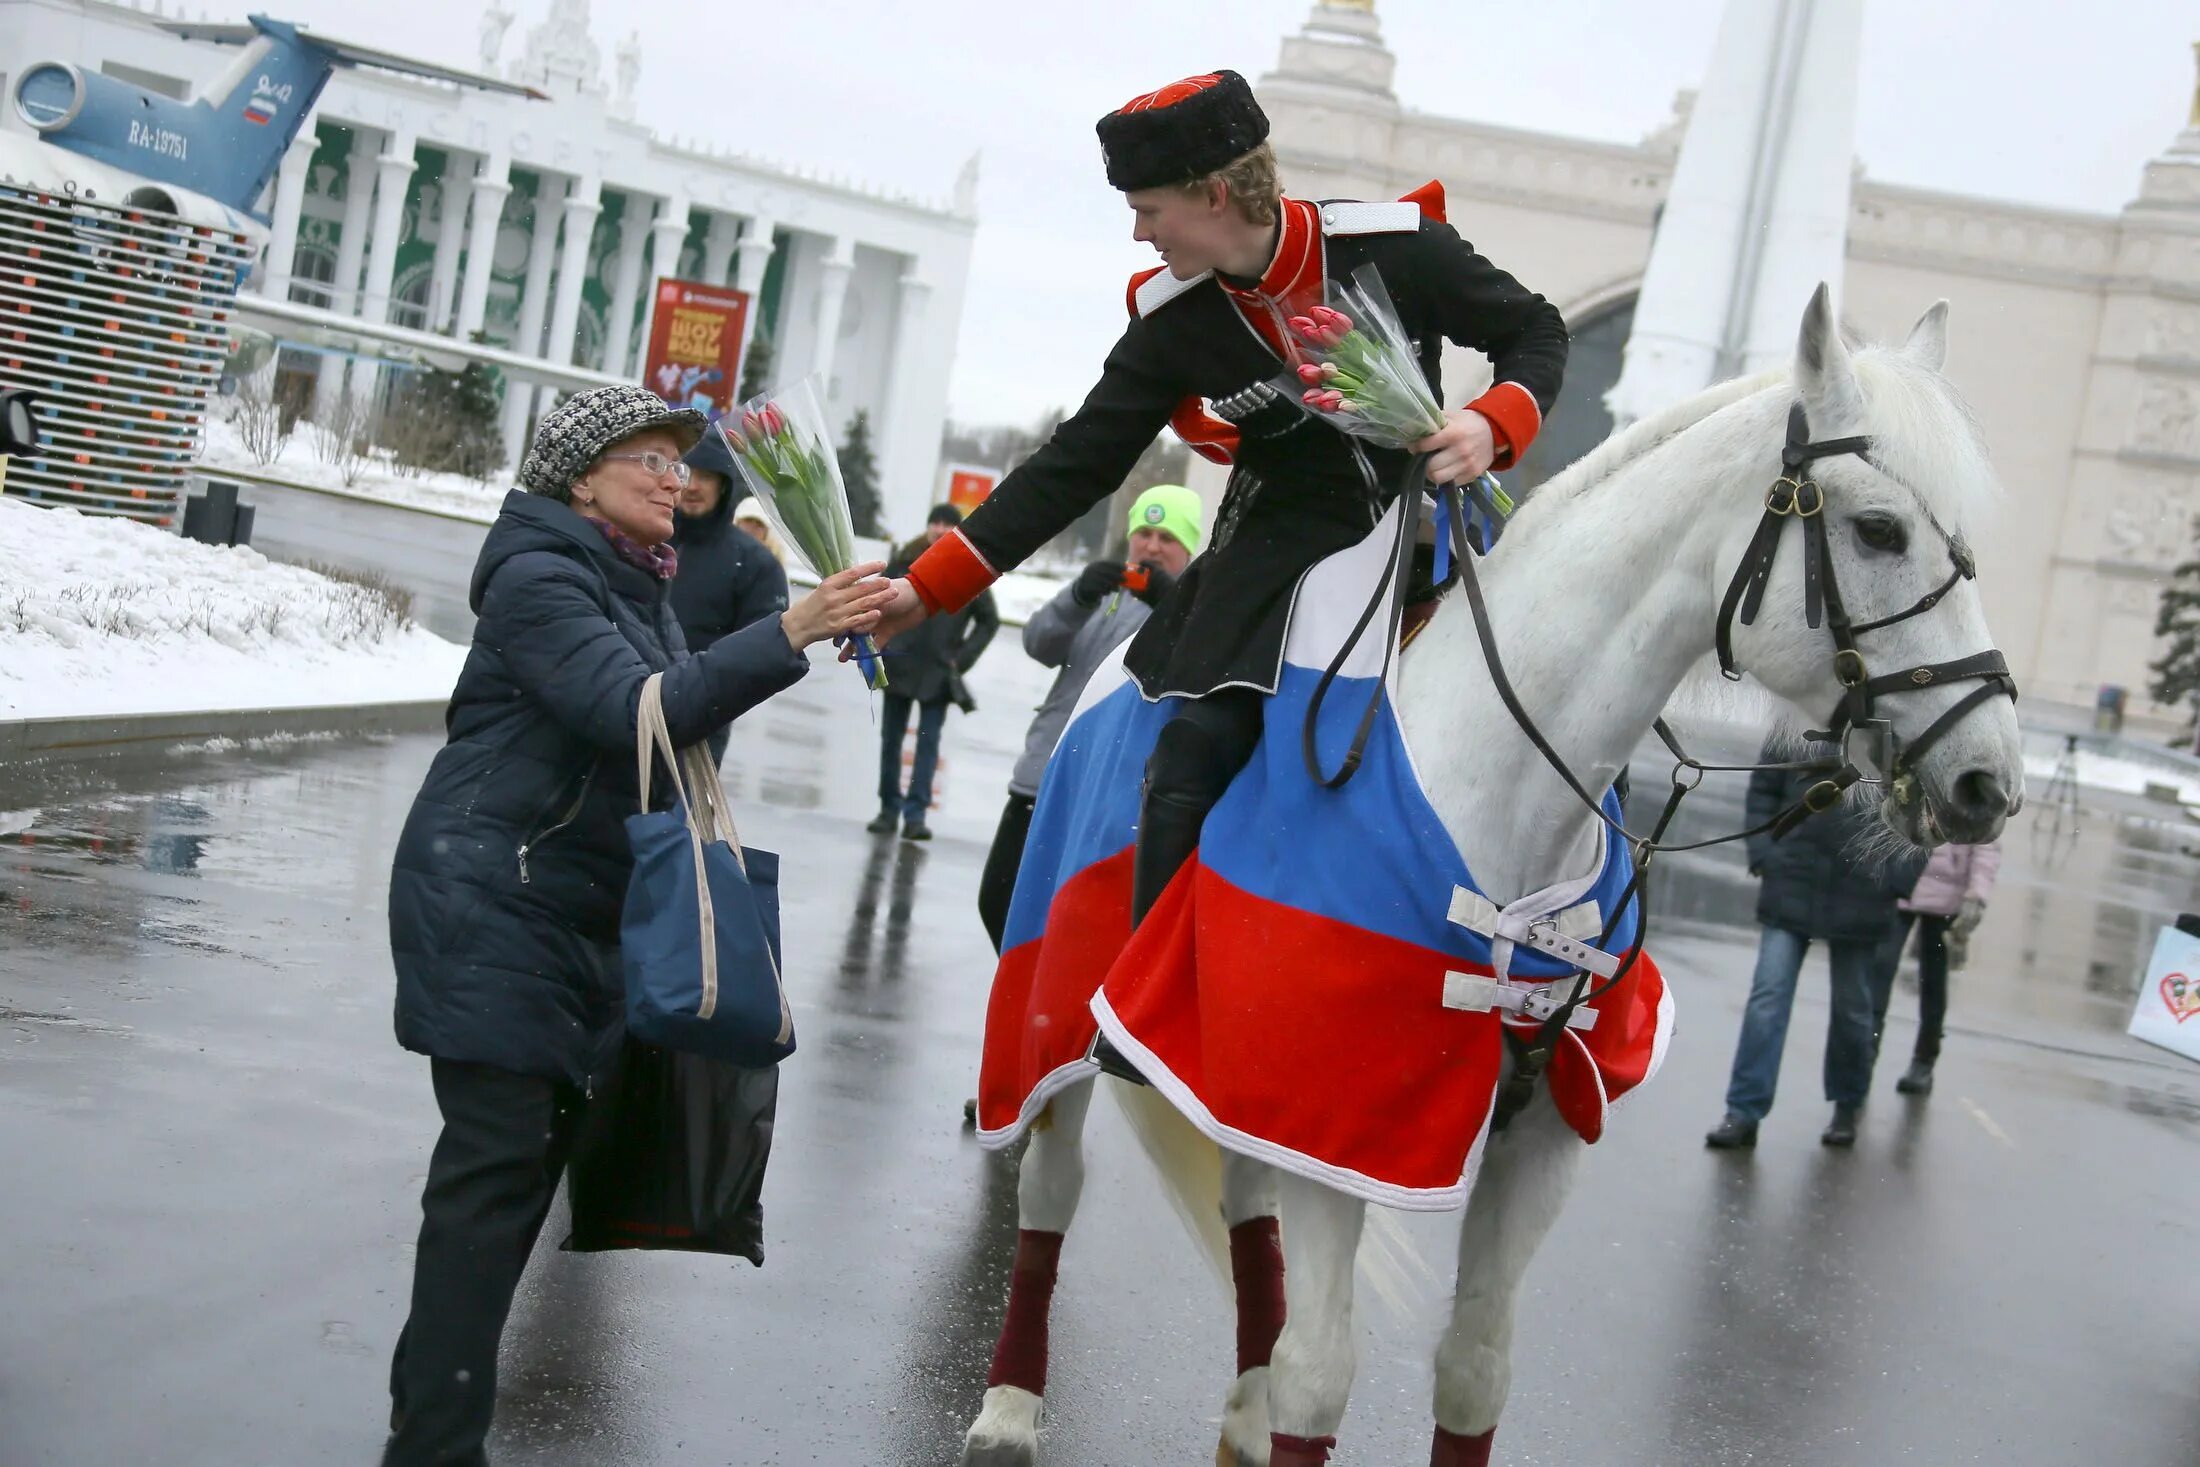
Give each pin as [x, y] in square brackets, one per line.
[1162, 288]
[1353, 217]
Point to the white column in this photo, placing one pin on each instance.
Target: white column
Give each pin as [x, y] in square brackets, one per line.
[534, 304]
[832, 296]
[755, 249]
[909, 447]
[492, 185]
[626, 287]
[666, 237]
[290, 203]
[718, 247]
[583, 202]
[456, 190]
[394, 170]
[351, 255]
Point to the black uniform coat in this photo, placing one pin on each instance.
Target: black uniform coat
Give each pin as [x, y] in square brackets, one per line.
[1296, 494]
[512, 867]
[1836, 876]
[927, 663]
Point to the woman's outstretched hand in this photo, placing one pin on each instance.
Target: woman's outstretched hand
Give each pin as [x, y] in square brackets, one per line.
[842, 605]
[901, 613]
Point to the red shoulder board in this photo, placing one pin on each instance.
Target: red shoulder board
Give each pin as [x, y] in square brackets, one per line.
[1430, 196]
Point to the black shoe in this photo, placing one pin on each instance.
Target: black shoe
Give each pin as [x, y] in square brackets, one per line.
[1732, 1134]
[1918, 1080]
[916, 830]
[1113, 1061]
[1841, 1130]
[885, 823]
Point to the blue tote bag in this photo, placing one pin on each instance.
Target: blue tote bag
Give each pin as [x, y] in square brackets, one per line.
[699, 937]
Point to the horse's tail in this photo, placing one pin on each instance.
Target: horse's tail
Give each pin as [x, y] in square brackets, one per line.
[1190, 1166]
[1393, 1270]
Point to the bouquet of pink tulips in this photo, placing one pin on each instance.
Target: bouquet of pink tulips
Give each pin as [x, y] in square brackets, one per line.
[1356, 370]
[787, 462]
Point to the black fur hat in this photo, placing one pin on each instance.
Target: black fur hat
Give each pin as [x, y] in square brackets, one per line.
[1187, 129]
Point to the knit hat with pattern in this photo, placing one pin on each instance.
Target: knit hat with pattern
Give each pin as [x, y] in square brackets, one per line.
[573, 434]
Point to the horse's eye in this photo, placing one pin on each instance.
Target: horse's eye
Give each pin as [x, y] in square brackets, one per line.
[1882, 532]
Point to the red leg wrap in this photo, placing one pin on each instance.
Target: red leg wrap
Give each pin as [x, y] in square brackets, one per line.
[1256, 1266]
[1298, 1451]
[1020, 1359]
[1454, 1450]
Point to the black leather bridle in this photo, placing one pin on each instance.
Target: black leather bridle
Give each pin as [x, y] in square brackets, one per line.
[1870, 749]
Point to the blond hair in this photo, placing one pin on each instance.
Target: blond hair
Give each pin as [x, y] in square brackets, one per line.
[1252, 182]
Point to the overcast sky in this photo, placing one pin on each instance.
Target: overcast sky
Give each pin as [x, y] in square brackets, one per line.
[2046, 101]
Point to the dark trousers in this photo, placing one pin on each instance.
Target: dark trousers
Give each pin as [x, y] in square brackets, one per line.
[1932, 979]
[894, 727]
[504, 1145]
[1852, 1040]
[998, 885]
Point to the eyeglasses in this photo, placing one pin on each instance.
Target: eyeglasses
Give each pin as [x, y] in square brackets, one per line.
[656, 463]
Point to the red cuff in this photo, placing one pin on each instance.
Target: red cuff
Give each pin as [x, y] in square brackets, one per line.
[950, 575]
[1512, 412]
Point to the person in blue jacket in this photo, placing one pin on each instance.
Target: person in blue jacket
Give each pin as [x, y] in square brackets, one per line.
[512, 867]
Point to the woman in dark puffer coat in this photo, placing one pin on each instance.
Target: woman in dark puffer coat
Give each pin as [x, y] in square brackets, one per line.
[512, 868]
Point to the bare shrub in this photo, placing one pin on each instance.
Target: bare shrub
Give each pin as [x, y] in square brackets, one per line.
[262, 426]
[342, 436]
[393, 603]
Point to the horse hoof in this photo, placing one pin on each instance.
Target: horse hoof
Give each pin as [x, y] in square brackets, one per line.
[1245, 1422]
[1006, 1433]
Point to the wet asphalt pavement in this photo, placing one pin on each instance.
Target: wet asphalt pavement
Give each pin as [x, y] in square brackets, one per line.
[213, 1152]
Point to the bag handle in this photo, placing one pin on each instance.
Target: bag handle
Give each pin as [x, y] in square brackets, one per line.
[695, 779]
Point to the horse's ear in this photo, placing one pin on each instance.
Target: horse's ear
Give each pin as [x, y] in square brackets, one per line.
[1928, 343]
[1823, 374]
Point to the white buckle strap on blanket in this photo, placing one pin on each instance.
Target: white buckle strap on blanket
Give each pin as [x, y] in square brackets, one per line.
[1564, 934]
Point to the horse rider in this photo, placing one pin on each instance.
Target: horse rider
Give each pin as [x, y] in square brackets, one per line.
[1204, 351]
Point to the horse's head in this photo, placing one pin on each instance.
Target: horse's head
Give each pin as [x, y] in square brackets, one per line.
[1894, 663]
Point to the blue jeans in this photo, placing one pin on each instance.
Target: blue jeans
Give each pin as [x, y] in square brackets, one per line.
[1851, 1043]
[894, 727]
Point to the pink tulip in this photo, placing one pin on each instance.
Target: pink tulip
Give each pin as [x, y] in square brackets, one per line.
[775, 422]
[1312, 397]
[751, 424]
[1312, 372]
[1304, 325]
[1336, 321]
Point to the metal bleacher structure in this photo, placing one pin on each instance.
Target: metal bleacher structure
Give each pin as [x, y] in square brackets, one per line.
[116, 316]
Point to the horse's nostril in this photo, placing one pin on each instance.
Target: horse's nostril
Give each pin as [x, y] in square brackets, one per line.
[1979, 795]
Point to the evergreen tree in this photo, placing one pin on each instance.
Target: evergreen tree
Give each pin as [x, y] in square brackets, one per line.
[757, 369]
[859, 471]
[446, 422]
[2177, 622]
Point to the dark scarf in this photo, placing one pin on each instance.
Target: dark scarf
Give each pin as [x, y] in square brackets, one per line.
[660, 561]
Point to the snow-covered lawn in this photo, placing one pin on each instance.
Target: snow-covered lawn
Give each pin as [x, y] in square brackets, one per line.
[451, 494]
[101, 616]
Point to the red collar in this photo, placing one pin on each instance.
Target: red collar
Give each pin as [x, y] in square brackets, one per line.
[1293, 279]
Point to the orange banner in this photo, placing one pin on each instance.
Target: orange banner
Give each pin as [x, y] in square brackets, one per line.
[695, 344]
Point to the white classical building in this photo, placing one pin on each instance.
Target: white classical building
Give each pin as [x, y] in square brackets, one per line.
[540, 223]
[2075, 336]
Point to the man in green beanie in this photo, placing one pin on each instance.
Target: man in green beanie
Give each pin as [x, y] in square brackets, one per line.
[1086, 620]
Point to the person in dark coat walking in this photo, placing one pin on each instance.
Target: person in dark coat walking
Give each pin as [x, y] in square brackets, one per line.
[510, 873]
[728, 579]
[924, 671]
[1830, 880]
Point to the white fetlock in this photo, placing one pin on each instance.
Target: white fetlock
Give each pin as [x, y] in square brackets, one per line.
[1245, 1421]
[1006, 1433]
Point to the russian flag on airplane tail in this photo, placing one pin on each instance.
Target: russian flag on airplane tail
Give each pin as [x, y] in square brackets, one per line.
[1288, 992]
[258, 112]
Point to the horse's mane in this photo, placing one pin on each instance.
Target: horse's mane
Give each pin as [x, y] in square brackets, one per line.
[1921, 430]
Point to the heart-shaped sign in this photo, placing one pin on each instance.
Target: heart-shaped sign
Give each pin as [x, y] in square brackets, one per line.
[2181, 996]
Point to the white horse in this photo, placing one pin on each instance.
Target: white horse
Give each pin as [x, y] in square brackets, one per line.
[1604, 595]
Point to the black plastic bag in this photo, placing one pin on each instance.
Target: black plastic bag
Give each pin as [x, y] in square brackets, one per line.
[672, 1155]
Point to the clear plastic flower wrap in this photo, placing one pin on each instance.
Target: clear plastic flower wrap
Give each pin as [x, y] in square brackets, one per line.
[1354, 368]
[785, 456]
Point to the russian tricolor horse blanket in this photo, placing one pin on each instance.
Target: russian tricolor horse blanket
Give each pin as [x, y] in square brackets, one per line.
[1322, 985]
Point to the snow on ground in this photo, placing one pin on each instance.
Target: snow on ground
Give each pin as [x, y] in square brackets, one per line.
[103, 615]
[452, 494]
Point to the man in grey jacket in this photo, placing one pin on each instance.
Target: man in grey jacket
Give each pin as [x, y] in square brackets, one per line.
[1086, 620]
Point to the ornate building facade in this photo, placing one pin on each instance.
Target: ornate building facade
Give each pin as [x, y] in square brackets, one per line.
[2075, 336]
[540, 222]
